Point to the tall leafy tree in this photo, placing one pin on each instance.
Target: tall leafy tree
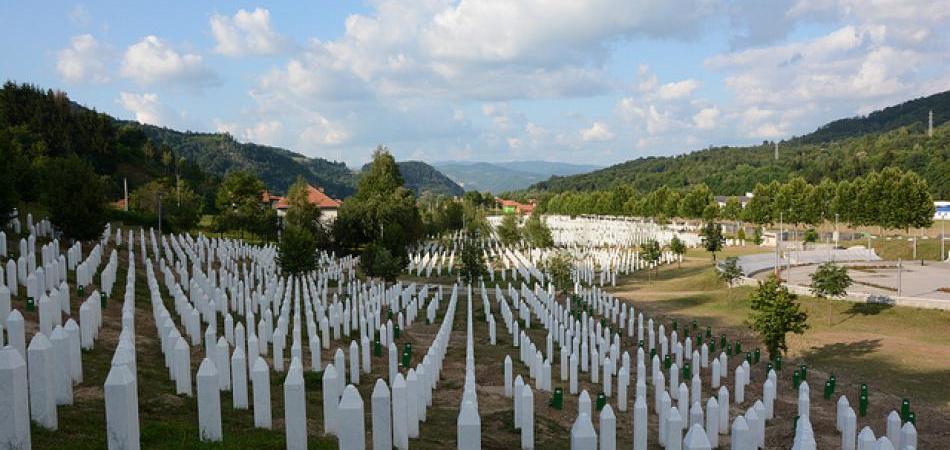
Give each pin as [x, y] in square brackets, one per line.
[732, 209]
[508, 231]
[775, 312]
[382, 218]
[559, 269]
[472, 262]
[297, 251]
[74, 195]
[695, 201]
[537, 232]
[302, 213]
[713, 239]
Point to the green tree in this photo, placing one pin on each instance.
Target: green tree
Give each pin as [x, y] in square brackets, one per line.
[382, 211]
[181, 208]
[475, 223]
[811, 236]
[559, 269]
[239, 202]
[678, 247]
[650, 252]
[758, 210]
[537, 232]
[830, 280]
[301, 213]
[729, 270]
[711, 212]
[74, 195]
[297, 251]
[732, 210]
[775, 312]
[377, 261]
[757, 235]
[713, 240]
[472, 266]
[508, 231]
[695, 201]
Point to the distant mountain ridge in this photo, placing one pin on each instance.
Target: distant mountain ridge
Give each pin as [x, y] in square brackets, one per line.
[505, 176]
[421, 177]
[220, 153]
[843, 149]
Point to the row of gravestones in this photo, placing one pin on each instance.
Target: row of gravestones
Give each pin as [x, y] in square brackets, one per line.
[38, 379]
[164, 317]
[747, 429]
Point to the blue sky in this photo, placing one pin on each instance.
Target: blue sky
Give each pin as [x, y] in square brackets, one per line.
[596, 82]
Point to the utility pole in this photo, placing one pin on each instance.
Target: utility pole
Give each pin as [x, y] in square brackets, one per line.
[899, 290]
[159, 246]
[125, 188]
[943, 237]
[930, 124]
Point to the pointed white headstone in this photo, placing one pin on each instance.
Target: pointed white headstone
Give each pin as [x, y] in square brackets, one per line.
[122, 416]
[14, 400]
[209, 402]
[352, 425]
[382, 417]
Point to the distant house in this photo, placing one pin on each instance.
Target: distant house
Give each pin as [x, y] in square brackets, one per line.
[743, 199]
[513, 207]
[315, 196]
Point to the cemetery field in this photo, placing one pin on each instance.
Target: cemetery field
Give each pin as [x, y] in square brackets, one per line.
[901, 352]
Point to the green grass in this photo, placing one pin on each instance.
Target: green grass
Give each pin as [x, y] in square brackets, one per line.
[903, 351]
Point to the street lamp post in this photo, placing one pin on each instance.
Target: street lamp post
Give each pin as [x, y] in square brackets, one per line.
[159, 246]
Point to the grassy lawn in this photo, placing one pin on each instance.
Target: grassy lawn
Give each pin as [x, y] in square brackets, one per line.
[901, 351]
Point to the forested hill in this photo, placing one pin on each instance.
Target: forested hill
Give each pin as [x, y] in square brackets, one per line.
[844, 149]
[421, 177]
[219, 153]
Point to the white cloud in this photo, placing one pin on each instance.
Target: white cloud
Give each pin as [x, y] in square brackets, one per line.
[152, 61]
[706, 118]
[598, 132]
[147, 108]
[246, 33]
[677, 89]
[321, 131]
[266, 132]
[85, 60]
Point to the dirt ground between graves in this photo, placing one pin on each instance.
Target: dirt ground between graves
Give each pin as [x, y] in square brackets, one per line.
[899, 352]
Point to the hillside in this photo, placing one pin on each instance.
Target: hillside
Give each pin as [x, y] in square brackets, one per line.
[219, 153]
[843, 149]
[421, 177]
[38, 125]
[507, 176]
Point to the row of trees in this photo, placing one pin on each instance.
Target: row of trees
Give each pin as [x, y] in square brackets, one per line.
[890, 199]
[534, 232]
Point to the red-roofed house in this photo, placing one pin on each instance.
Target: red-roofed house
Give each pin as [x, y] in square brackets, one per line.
[315, 195]
[511, 206]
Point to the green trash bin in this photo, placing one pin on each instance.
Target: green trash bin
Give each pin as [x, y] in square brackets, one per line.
[557, 400]
[905, 409]
[82, 291]
[601, 401]
[30, 304]
[102, 299]
[756, 356]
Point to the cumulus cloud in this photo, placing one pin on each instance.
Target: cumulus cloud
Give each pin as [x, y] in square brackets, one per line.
[152, 61]
[706, 118]
[598, 132]
[677, 89]
[246, 33]
[321, 131]
[85, 60]
[146, 107]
